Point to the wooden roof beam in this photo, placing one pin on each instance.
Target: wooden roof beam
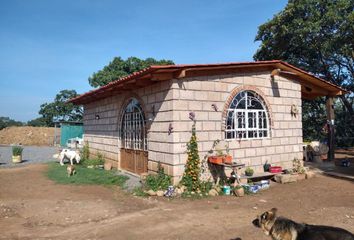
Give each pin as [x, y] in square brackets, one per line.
[161, 76]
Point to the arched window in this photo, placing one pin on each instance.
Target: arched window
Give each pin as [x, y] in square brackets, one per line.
[247, 117]
[133, 127]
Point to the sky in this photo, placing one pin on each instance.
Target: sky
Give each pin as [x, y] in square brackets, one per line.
[50, 45]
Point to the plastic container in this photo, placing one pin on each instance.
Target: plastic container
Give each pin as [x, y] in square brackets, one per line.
[226, 190]
[275, 169]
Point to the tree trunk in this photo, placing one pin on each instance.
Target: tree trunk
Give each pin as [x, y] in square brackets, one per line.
[330, 124]
[348, 106]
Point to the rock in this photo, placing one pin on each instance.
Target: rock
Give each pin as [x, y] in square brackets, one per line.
[183, 188]
[301, 177]
[179, 191]
[310, 174]
[107, 166]
[285, 178]
[213, 192]
[217, 188]
[243, 180]
[151, 193]
[159, 193]
[239, 192]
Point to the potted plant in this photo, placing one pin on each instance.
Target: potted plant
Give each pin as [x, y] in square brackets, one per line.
[266, 166]
[249, 171]
[218, 158]
[239, 191]
[17, 154]
[298, 169]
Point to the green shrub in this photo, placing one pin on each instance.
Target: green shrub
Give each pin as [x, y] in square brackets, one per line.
[85, 152]
[205, 187]
[98, 160]
[17, 150]
[92, 162]
[159, 181]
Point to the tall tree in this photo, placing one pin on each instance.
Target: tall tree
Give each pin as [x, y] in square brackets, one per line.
[60, 109]
[317, 36]
[119, 68]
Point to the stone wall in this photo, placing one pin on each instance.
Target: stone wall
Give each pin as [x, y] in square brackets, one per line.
[103, 135]
[173, 100]
[198, 94]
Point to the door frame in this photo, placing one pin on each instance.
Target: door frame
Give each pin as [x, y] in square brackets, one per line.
[133, 152]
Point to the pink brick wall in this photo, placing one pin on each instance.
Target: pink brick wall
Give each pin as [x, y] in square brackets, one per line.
[173, 100]
[201, 92]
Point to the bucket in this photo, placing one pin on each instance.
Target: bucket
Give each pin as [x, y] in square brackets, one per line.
[226, 190]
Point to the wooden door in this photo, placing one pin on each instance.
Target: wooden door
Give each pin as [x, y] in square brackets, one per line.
[134, 161]
[134, 155]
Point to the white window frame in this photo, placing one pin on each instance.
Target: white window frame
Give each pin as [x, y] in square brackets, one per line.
[246, 130]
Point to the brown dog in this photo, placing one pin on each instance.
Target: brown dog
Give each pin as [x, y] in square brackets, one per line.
[71, 170]
[280, 228]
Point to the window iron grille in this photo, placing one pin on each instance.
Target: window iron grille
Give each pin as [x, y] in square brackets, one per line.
[247, 117]
[133, 127]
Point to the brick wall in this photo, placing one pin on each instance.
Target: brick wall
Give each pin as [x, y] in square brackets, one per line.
[198, 94]
[103, 135]
[173, 100]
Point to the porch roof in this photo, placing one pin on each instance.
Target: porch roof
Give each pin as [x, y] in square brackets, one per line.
[311, 86]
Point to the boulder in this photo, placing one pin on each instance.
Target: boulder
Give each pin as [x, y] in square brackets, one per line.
[159, 193]
[310, 174]
[151, 193]
[179, 191]
[301, 177]
[239, 192]
[183, 188]
[285, 178]
[213, 192]
[107, 166]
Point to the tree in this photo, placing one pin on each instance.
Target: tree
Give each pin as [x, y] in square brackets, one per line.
[60, 109]
[119, 68]
[37, 122]
[317, 36]
[8, 122]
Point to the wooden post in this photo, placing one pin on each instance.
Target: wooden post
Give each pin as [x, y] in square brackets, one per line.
[330, 124]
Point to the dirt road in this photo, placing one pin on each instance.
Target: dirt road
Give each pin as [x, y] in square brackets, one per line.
[33, 207]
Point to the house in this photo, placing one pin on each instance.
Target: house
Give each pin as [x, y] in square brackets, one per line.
[252, 107]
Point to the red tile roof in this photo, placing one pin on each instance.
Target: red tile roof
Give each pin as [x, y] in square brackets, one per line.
[98, 93]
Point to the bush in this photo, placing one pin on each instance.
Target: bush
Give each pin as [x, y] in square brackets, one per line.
[159, 181]
[85, 152]
[17, 150]
[98, 160]
[205, 187]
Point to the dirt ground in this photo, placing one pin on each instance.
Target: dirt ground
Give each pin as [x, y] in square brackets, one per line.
[33, 207]
[29, 136]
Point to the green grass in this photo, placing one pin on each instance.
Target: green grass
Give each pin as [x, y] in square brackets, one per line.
[84, 175]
